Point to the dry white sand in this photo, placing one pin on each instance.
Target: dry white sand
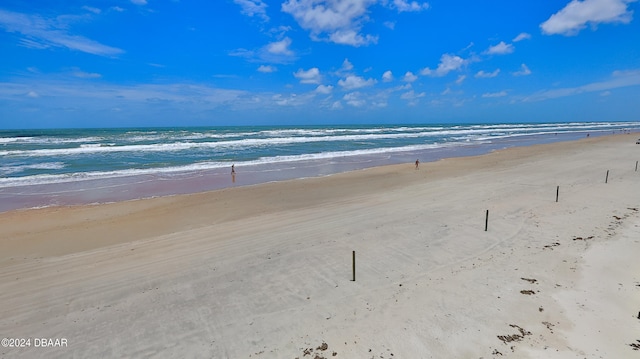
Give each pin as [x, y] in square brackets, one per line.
[265, 271]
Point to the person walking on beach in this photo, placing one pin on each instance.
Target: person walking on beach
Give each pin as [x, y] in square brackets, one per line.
[233, 169]
[417, 163]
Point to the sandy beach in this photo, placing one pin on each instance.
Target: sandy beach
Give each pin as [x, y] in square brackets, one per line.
[265, 271]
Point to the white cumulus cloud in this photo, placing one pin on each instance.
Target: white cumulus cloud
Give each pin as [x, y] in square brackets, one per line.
[447, 64]
[280, 47]
[522, 36]
[577, 14]
[346, 65]
[352, 37]
[92, 9]
[494, 94]
[410, 77]
[311, 76]
[354, 82]
[338, 21]
[500, 49]
[524, 71]
[486, 75]
[253, 8]
[337, 105]
[406, 6]
[354, 99]
[387, 76]
[266, 68]
[324, 89]
[86, 75]
[411, 96]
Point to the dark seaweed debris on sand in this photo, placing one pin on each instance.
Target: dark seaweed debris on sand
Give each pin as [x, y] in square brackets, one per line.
[582, 239]
[323, 347]
[514, 337]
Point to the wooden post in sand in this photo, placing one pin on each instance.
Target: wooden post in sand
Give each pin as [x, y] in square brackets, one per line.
[636, 166]
[354, 265]
[486, 222]
[606, 180]
[557, 193]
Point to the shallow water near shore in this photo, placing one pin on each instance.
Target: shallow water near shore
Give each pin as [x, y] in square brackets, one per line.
[56, 167]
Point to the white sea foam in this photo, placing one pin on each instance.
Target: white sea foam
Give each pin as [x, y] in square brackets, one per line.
[180, 146]
[431, 134]
[14, 139]
[12, 169]
[201, 166]
[62, 140]
[220, 144]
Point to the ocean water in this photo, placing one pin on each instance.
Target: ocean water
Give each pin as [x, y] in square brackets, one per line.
[79, 166]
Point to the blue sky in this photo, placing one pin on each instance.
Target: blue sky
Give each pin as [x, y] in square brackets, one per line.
[243, 62]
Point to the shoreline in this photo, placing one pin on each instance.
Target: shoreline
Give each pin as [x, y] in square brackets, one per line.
[265, 271]
[206, 200]
[117, 189]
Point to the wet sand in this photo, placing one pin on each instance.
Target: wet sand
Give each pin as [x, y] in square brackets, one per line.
[99, 190]
[265, 271]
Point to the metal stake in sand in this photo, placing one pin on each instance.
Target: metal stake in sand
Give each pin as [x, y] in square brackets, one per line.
[606, 180]
[354, 265]
[557, 193]
[486, 221]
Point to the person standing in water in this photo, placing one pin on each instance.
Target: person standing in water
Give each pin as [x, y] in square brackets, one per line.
[233, 169]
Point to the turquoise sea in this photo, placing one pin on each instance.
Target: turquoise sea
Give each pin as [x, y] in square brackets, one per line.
[79, 166]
